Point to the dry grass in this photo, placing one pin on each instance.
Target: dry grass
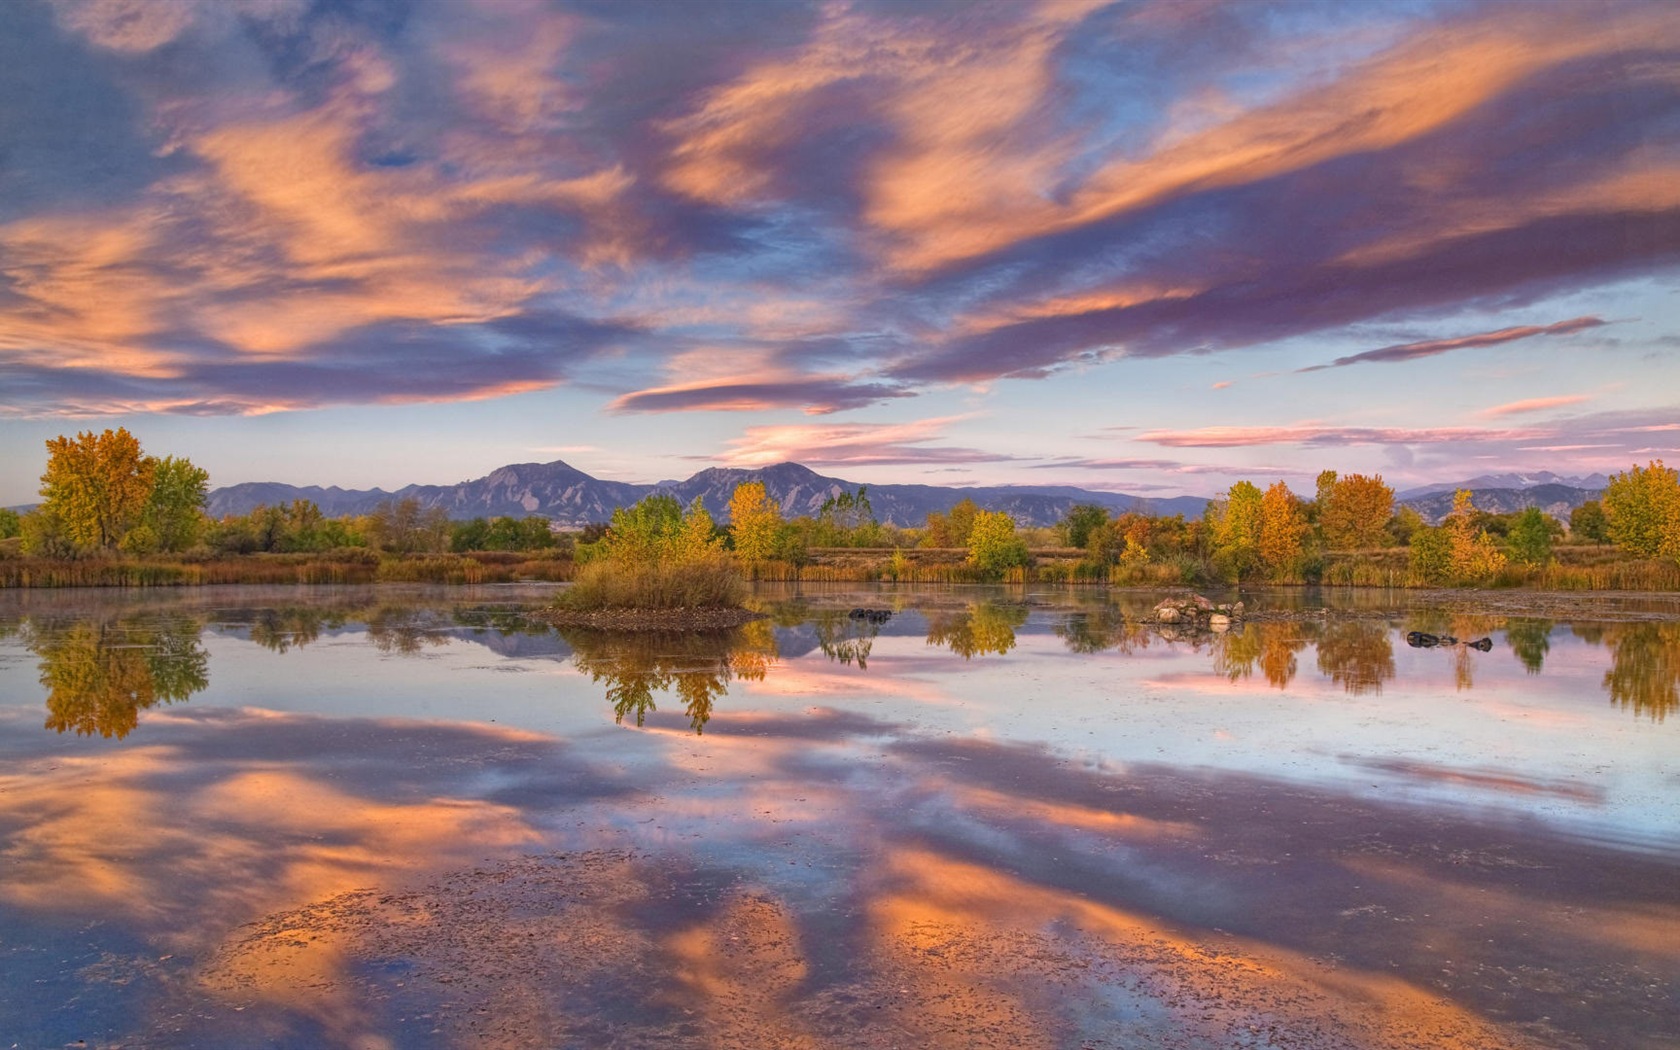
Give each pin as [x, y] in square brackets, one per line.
[713, 583]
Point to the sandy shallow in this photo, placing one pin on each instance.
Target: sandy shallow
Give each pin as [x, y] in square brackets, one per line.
[608, 949]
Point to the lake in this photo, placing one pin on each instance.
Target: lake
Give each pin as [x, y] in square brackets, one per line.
[385, 817]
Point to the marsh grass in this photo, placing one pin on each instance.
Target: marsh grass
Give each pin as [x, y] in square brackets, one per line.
[707, 583]
[351, 565]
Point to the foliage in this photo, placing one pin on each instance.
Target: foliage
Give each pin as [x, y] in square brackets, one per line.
[1642, 510]
[1082, 520]
[1283, 528]
[846, 519]
[403, 527]
[96, 486]
[755, 523]
[705, 582]
[993, 546]
[1236, 531]
[1587, 523]
[1430, 558]
[657, 530]
[1405, 523]
[175, 509]
[951, 529]
[1530, 538]
[1353, 511]
[504, 533]
[1474, 557]
[10, 524]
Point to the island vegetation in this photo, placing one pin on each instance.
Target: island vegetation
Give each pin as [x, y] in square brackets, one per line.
[112, 514]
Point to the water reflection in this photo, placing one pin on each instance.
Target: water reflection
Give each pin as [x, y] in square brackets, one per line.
[698, 665]
[100, 674]
[1644, 672]
[984, 628]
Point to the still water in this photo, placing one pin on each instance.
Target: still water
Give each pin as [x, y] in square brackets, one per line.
[412, 817]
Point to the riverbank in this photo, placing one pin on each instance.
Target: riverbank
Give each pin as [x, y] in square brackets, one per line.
[1574, 569]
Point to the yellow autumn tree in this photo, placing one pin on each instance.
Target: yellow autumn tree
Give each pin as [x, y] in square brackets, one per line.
[1282, 528]
[97, 486]
[755, 520]
[1472, 553]
[1353, 511]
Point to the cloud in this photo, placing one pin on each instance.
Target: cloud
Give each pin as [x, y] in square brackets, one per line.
[871, 201]
[1533, 404]
[817, 395]
[852, 444]
[1431, 347]
[1313, 435]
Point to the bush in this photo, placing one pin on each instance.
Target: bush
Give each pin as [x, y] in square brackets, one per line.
[705, 583]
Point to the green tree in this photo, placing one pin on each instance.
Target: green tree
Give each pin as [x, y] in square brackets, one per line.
[993, 546]
[1587, 523]
[10, 524]
[1431, 555]
[175, 509]
[1642, 508]
[1530, 538]
[1236, 531]
[1082, 519]
[97, 486]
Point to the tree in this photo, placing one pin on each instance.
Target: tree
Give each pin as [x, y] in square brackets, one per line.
[993, 546]
[1474, 558]
[755, 522]
[1282, 528]
[10, 524]
[1642, 510]
[951, 529]
[1353, 511]
[1236, 531]
[1530, 538]
[1082, 519]
[97, 486]
[175, 509]
[398, 525]
[1431, 555]
[1587, 523]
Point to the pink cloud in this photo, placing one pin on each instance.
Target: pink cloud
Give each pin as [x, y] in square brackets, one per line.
[1242, 437]
[1533, 404]
[1431, 347]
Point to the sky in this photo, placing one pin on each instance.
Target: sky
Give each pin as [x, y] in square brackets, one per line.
[1147, 247]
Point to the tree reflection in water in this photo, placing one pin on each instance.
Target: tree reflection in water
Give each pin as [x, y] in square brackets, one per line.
[100, 674]
[1271, 647]
[699, 665]
[1530, 641]
[982, 628]
[1102, 629]
[1357, 654]
[1644, 672]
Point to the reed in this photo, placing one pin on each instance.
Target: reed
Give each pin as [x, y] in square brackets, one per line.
[710, 583]
[351, 565]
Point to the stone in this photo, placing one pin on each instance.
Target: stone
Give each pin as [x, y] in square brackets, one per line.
[1167, 614]
[1219, 622]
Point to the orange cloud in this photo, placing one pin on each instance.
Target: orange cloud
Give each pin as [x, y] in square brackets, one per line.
[1533, 404]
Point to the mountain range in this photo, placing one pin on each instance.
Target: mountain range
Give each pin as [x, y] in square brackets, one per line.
[572, 498]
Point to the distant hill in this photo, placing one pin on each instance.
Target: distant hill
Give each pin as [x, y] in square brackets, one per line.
[1507, 482]
[1556, 500]
[564, 494]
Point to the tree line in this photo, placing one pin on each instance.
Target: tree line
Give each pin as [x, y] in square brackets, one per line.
[102, 494]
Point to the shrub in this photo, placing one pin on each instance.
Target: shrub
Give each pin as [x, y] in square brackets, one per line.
[702, 583]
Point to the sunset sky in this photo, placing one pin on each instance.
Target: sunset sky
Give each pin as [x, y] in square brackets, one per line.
[1153, 247]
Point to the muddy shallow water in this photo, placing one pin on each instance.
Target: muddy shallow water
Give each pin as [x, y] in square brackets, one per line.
[413, 817]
